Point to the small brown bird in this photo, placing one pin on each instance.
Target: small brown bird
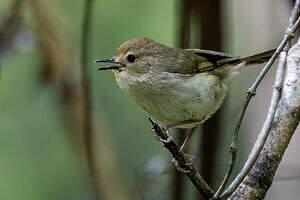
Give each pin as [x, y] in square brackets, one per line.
[179, 87]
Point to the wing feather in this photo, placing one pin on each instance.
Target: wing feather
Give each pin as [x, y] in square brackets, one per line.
[215, 58]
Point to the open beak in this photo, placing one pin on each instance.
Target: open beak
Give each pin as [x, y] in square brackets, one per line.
[111, 60]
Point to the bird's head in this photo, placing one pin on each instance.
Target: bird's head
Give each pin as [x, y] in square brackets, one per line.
[139, 56]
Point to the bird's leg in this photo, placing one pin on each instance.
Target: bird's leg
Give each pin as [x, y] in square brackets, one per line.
[190, 134]
[156, 136]
[166, 127]
[190, 158]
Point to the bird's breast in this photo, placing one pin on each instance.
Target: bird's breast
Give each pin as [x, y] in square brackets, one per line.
[172, 98]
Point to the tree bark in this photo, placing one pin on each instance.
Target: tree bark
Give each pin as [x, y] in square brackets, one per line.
[285, 122]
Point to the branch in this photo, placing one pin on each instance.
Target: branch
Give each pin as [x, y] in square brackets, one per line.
[285, 122]
[295, 13]
[86, 112]
[208, 13]
[293, 24]
[58, 71]
[267, 125]
[190, 171]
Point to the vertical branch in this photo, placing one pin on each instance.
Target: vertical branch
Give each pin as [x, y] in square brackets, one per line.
[58, 71]
[250, 93]
[86, 112]
[209, 21]
[184, 36]
[87, 126]
[282, 128]
[257, 148]
[199, 20]
[185, 18]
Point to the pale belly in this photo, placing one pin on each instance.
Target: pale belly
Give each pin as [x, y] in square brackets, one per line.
[171, 98]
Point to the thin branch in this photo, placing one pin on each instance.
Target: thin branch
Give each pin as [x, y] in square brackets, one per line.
[251, 93]
[233, 148]
[285, 122]
[190, 171]
[295, 13]
[267, 125]
[87, 120]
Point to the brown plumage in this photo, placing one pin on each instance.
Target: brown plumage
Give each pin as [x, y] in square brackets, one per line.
[179, 87]
[195, 60]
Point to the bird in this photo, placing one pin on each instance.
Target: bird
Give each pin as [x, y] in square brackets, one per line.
[180, 88]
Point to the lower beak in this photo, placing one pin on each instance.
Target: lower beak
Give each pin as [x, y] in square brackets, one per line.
[111, 60]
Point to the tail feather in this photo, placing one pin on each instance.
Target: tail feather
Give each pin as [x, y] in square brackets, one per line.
[254, 59]
[258, 58]
[229, 72]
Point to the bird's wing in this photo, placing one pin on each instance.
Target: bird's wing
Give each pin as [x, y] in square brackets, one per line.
[209, 60]
[212, 56]
[213, 59]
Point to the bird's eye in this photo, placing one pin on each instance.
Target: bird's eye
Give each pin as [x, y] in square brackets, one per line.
[131, 58]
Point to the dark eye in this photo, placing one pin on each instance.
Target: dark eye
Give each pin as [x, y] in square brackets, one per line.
[131, 58]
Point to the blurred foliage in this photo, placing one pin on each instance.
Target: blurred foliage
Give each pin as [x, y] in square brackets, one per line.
[38, 160]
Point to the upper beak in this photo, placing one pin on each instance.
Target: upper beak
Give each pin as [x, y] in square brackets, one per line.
[111, 60]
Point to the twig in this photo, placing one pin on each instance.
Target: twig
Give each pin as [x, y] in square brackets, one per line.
[284, 124]
[250, 94]
[267, 125]
[233, 148]
[87, 120]
[190, 171]
[295, 13]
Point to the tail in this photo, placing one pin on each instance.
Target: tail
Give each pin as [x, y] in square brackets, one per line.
[229, 72]
[254, 59]
[257, 58]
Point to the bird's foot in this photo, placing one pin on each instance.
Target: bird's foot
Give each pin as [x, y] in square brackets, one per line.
[164, 128]
[190, 161]
[157, 137]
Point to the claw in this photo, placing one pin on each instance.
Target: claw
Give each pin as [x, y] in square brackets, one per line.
[157, 137]
[165, 129]
[168, 140]
[189, 158]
